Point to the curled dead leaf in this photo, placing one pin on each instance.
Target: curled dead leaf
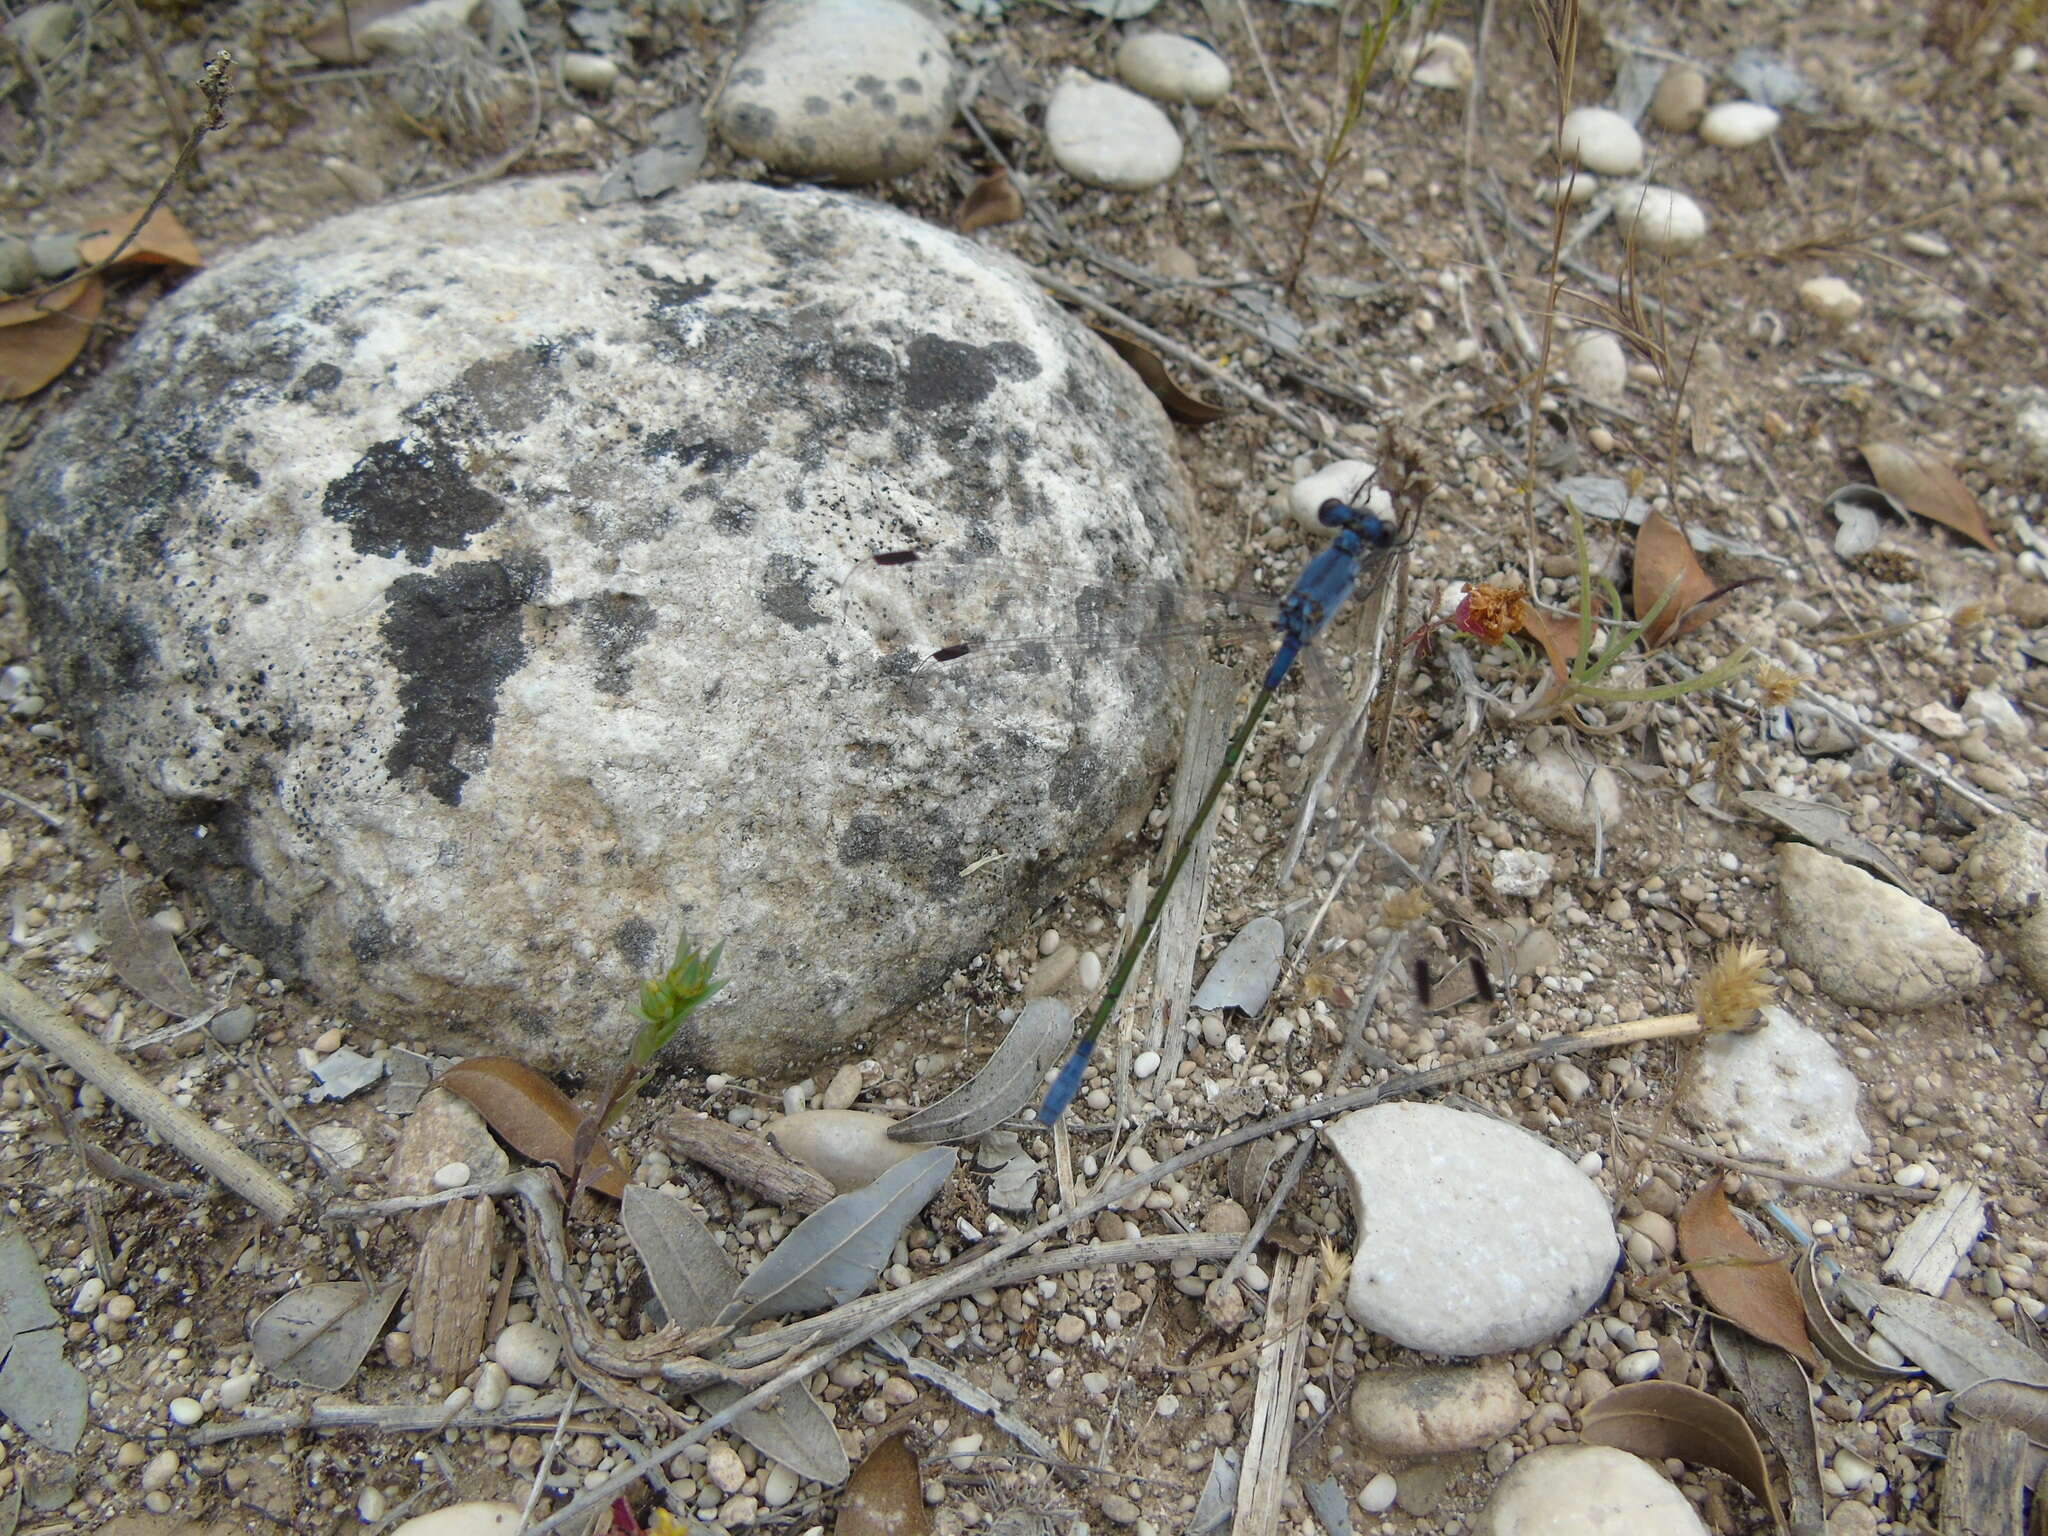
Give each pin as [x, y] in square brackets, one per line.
[1923, 482]
[39, 343]
[993, 200]
[533, 1116]
[1666, 1418]
[885, 1495]
[1180, 405]
[1558, 635]
[1739, 1278]
[162, 241]
[1668, 571]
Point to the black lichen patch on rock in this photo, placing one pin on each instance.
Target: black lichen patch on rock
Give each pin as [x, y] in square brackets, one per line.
[410, 497]
[454, 638]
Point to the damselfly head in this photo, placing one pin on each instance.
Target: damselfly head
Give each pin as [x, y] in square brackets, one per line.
[1370, 526]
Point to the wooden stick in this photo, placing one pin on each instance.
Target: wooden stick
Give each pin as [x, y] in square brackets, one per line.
[36, 1021]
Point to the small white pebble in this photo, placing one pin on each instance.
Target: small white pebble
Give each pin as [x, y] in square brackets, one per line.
[491, 1385]
[779, 1486]
[237, 1390]
[1048, 941]
[1640, 1365]
[451, 1176]
[163, 1466]
[1830, 299]
[589, 72]
[1600, 140]
[528, 1352]
[330, 1041]
[1146, 1064]
[1377, 1496]
[1738, 124]
[371, 1505]
[1659, 219]
[1088, 974]
[87, 1301]
[962, 1452]
[186, 1411]
[725, 1469]
[1912, 1176]
[121, 1307]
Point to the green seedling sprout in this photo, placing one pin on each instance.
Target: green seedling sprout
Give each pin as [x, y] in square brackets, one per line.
[664, 1004]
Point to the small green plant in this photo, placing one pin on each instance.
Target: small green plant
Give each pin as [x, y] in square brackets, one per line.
[664, 1003]
[1585, 649]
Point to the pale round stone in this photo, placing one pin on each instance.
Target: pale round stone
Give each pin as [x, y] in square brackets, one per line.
[480, 1518]
[371, 1505]
[1587, 1490]
[848, 1148]
[1574, 188]
[1436, 1410]
[1601, 140]
[1866, 943]
[1109, 137]
[1681, 98]
[591, 72]
[186, 1411]
[451, 1176]
[1783, 1093]
[1170, 67]
[1831, 300]
[237, 1390]
[163, 1466]
[725, 1469]
[492, 1382]
[1440, 60]
[1377, 1496]
[1738, 124]
[1146, 1064]
[1536, 1241]
[1346, 480]
[528, 1352]
[1659, 219]
[779, 1486]
[1598, 366]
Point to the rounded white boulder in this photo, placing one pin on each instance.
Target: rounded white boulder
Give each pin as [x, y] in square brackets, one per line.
[1601, 140]
[1738, 124]
[1659, 219]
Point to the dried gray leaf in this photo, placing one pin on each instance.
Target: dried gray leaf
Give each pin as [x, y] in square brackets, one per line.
[319, 1334]
[1775, 1396]
[1600, 496]
[145, 956]
[690, 1273]
[1827, 828]
[1015, 1186]
[1828, 1335]
[1331, 1505]
[1219, 1494]
[40, 1390]
[1761, 75]
[1927, 1252]
[835, 1253]
[673, 159]
[344, 1072]
[1955, 1346]
[694, 1279]
[794, 1429]
[2018, 1405]
[1008, 1081]
[1244, 973]
[969, 1396]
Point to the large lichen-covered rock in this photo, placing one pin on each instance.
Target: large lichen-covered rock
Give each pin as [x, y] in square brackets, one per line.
[458, 597]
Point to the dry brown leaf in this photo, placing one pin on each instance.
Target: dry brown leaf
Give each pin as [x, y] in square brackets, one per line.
[885, 1495]
[2020, 1405]
[162, 241]
[1922, 482]
[1145, 363]
[992, 200]
[533, 1116]
[42, 306]
[1559, 637]
[1739, 1278]
[35, 351]
[1667, 1418]
[1665, 563]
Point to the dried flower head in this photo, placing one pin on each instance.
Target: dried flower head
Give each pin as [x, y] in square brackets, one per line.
[1490, 613]
[1404, 907]
[1778, 686]
[1732, 990]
